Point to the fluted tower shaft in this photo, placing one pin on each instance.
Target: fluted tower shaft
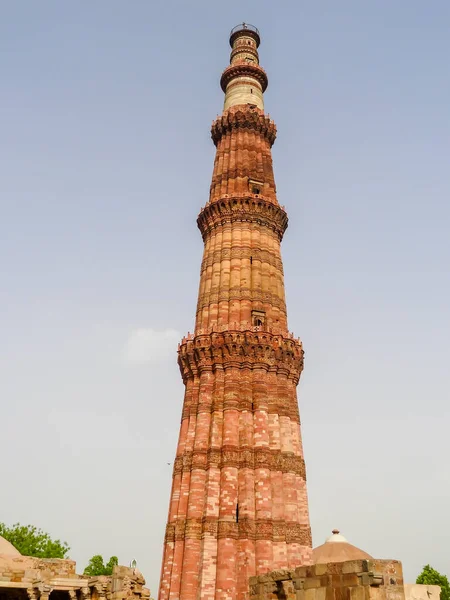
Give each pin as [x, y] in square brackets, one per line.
[239, 503]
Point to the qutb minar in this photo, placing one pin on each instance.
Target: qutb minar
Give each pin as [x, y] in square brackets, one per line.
[238, 505]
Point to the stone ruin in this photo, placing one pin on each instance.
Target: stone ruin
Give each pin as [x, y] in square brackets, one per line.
[349, 580]
[28, 578]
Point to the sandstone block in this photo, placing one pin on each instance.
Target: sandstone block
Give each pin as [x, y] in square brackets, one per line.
[355, 566]
[357, 593]
[350, 579]
[320, 569]
[311, 582]
[310, 594]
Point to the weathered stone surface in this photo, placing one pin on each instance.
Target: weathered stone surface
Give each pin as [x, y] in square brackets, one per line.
[355, 566]
[422, 592]
[239, 503]
[40, 577]
[352, 580]
[311, 582]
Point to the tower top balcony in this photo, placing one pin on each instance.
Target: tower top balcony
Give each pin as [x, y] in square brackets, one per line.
[245, 29]
[244, 81]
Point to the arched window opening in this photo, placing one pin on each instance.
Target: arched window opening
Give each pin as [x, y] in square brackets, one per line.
[258, 318]
[255, 186]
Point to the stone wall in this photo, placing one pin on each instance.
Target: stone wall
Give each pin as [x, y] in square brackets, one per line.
[24, 570]
[56, 579]
[352, 580]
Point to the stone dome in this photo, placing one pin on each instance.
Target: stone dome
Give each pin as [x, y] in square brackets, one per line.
[7, 548]
[337, 549]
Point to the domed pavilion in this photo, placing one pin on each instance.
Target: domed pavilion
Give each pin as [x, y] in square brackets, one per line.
[337, 549]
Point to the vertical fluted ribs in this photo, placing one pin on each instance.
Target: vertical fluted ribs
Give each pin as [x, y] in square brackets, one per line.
[238, 503]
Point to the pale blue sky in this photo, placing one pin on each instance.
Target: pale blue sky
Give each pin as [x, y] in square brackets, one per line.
[105, 162]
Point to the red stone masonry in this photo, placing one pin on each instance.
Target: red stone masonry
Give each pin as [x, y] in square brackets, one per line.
[238, 504]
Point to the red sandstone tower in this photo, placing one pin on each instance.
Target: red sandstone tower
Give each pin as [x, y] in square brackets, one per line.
[238, 504]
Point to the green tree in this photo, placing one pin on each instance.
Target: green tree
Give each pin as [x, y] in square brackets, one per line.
[31, 541]
[430, 576]
[97, 566]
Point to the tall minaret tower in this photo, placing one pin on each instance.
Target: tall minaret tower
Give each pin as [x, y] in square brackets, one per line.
[238, 504]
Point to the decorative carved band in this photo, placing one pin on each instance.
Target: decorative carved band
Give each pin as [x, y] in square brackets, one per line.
[240, 349]
[249, 208]
[282, 409]
[242, 326]
[244, 69]
[244, 49]
[256, 254]
[241, 458]
[243, 118]
[247, 528]
[213, 297]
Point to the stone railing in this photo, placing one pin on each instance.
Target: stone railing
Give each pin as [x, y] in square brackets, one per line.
[242, 208]
[240, 326]
[249, 347]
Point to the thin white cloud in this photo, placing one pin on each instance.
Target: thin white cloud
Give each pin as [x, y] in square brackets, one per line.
[148, 345]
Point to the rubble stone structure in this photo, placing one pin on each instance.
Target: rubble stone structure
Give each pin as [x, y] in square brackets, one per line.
[350, 580]
[28, 578]
[238, 504]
